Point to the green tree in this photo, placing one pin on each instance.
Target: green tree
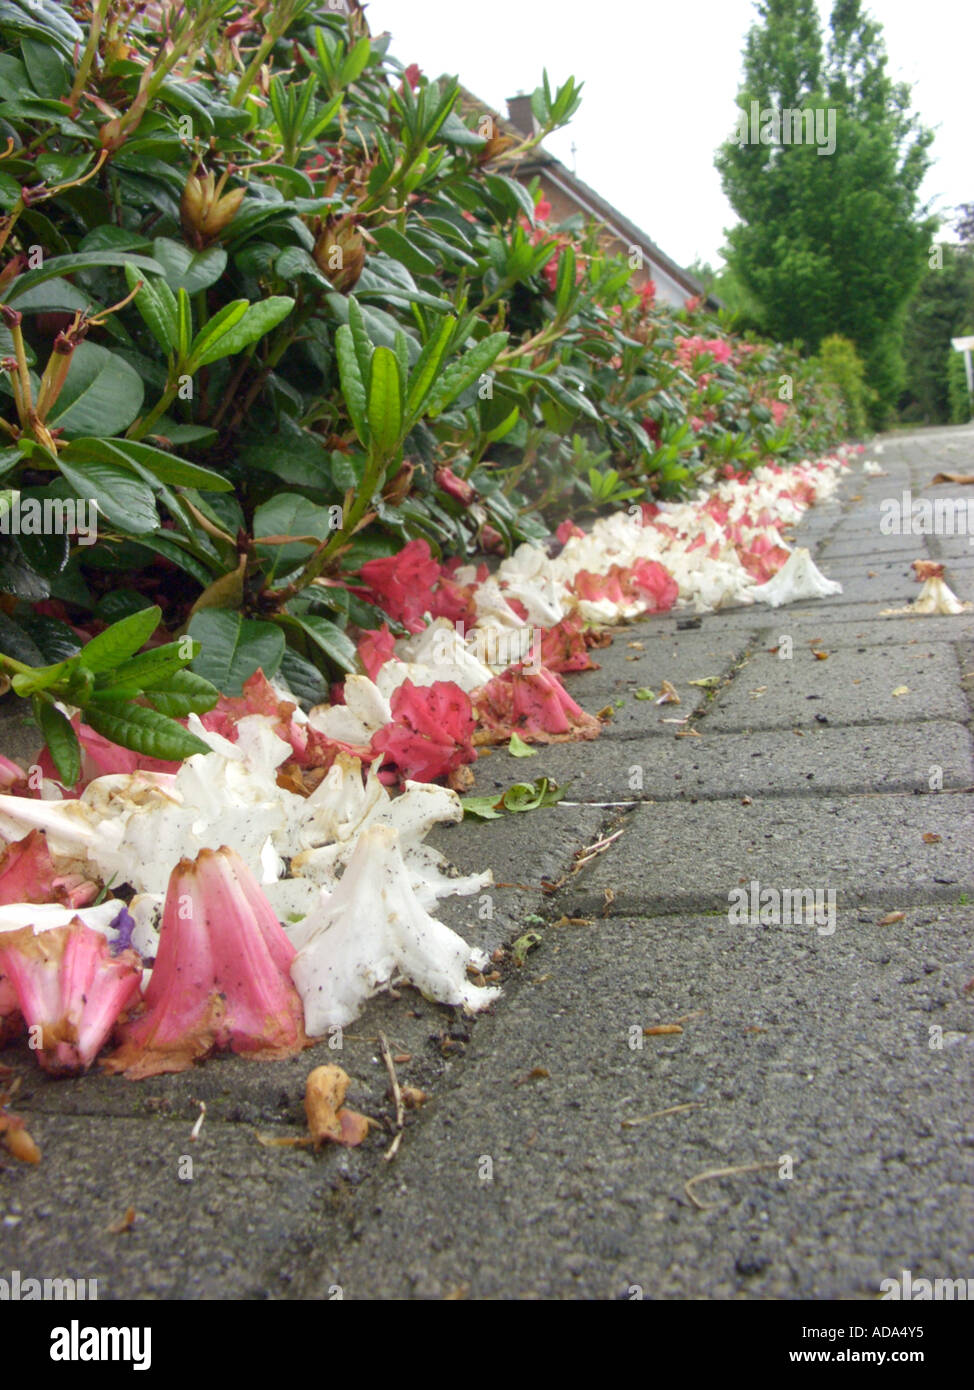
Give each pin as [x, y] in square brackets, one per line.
[832, 240]
[941, 309]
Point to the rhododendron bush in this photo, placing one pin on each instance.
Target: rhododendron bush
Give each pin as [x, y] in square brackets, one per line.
[265, 673]
[311, 352]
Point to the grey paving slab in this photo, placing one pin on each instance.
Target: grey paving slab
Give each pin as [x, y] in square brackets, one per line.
[681, 857]
[795, 1048]
[826, 760]
[851, 686]
[829, 633]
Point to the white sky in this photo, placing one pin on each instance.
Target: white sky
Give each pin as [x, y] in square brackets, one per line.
[661, 78]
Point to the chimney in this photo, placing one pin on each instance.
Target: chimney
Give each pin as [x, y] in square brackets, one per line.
[520, 115]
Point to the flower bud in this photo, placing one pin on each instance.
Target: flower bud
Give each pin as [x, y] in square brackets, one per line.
[339, 253]
[457, 488]
[205, 210]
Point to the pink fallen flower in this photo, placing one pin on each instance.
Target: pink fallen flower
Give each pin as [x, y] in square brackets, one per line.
[567, 529]
[533, 705]
[13, 778]
[376, 647]
[431, 731]
[71, 987]
[402, 584]
[258, 697]
[645, 581]
[28, 874]
[563, 647]
[221, 977]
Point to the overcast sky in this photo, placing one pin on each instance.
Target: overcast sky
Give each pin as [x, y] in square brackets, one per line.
[660, 86]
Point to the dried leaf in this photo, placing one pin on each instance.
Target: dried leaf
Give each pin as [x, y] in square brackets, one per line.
[662, 1030]
[902, 690]
[820, 656]
[328, 1121]
[535, 1074]
[930, 839]
[667, 695]
[890, 918]
[124, 1222]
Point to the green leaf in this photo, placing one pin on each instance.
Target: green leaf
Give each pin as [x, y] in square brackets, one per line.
[187, 269]
[101, 394]
[183, 693]
[61, 739]
[425, 371]
[233, 647]
[644, 693]
[289, 514]
[124, 500]
[256, 320]
[464, 372]
[144, 730]
[156, 303]
[385, 402]
[352, 383]
[166, 467]
[400, 248]
[522, 796]
[147, 670]
[303, 678]
[56, 266]
[120, 641]
[519, 749]
[335, 643]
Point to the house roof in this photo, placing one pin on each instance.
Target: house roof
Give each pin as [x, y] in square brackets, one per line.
[541, 161]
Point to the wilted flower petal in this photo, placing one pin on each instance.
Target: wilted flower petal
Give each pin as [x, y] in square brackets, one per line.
[71, 988]
[221, 974]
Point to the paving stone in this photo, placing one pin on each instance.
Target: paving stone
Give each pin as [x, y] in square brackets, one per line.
[794, 1046]
[849, 687]
[825, 761]
[870, 849]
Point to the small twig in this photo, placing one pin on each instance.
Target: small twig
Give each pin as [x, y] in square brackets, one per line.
[723, 1173]
[396, 1095]
[600, 846]
[655, 1114]
[194, 1133]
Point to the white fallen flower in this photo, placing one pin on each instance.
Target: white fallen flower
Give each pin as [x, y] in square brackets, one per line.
[872, 469]
[365, 711]
[797, 579]
[371, 929]
[413, 813]
[44, 916]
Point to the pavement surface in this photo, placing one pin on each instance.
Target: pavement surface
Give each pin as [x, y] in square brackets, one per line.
[825, 1050]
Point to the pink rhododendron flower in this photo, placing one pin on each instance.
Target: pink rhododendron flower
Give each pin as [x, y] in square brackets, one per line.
[402, 584]
[12, 778]
[534, 705]
[221, 977]
[70, 986]
[563, 647]
[376, 647]
[567, 530]
[28, 874]
[431, 732]
[259, 697]
[647, 580]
